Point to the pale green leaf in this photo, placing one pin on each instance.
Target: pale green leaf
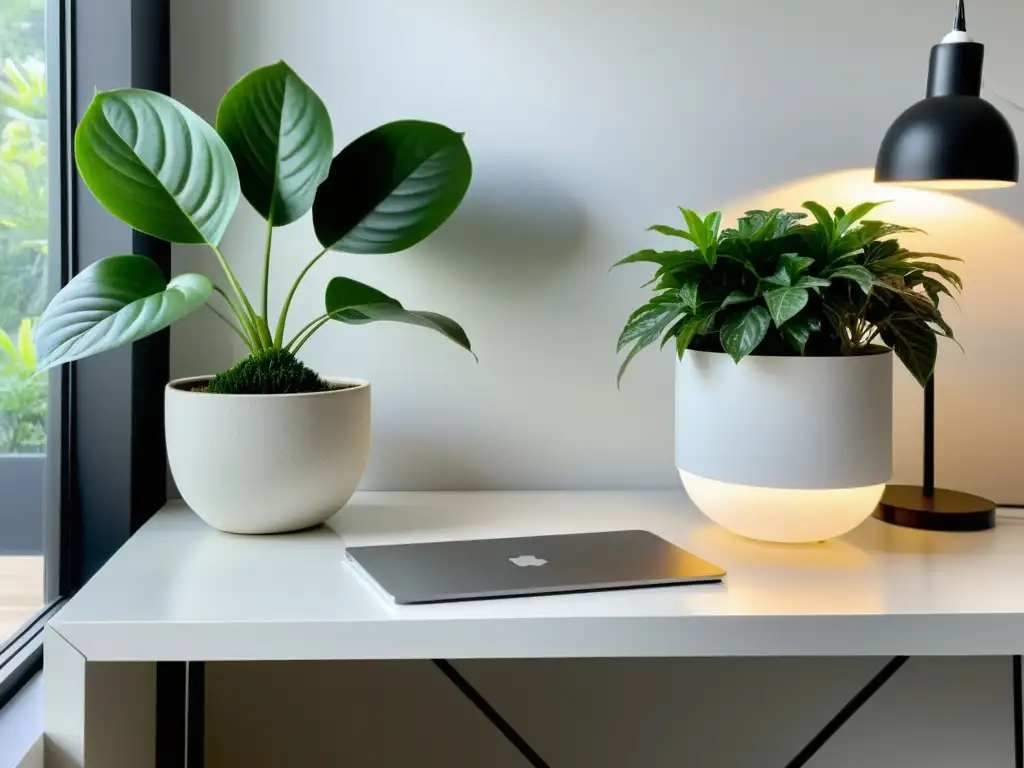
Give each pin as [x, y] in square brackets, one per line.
[115, 301]
[157, 166]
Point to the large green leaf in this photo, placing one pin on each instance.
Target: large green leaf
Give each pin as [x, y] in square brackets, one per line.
[391, 188]
[914, 344]
[742, 332]
[157, 165]
[785, 303]
[117, 300]
[280, 134]
[356, 303]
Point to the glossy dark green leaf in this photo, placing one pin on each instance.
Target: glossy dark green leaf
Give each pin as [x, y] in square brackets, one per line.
[806, 281]
[736, 297]
[696, 227]
[112, 302]
[651, 319]
[795, 265]
[856, 213]
[391, 188]
[949, 276]
[712, 224]
[767, 228]
[744, 331]
[914, 344]
[661, 258]
[798, 332]
[689, 296]
[785, 303]
[355, 303]
[694, 325]
[279, 133]
[857, 273]
[157, 166]
[824, 218]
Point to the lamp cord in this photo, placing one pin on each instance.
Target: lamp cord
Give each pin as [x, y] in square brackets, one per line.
[1008, 101]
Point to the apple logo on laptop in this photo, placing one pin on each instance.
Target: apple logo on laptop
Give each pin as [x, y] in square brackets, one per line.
[526, 561]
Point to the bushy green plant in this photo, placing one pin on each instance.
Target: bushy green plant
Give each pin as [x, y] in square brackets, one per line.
[23, 395]
[776, 286]
[159, 167]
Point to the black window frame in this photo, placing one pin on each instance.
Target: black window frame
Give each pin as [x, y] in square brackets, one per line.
[106, 459]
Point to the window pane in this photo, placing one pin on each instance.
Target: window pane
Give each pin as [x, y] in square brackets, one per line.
[24, 258]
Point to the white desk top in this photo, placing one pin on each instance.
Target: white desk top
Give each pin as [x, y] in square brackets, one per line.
[179, 590]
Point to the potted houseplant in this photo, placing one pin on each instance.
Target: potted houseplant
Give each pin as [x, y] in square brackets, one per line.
[794, 444]
[269, 445]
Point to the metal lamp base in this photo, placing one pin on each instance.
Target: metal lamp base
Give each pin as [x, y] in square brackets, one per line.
[943, 510]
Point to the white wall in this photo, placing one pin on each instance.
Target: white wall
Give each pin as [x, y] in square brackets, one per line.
[589, 120]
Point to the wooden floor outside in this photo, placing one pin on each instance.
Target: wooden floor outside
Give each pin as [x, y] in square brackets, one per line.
[21, 592]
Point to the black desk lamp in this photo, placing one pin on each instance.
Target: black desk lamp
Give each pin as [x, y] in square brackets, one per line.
[952, 139]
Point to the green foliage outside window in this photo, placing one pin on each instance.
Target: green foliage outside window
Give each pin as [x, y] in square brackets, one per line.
[23, 222]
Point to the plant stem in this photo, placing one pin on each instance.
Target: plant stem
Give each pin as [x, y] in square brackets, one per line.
[264, 312]
[259, 331]
[250, 335]
[231, 325]
[279, 333]
[313, 327]
[305, 328]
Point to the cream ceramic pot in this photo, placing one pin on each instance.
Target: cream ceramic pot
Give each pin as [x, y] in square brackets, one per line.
[787, 449]
[267, 463]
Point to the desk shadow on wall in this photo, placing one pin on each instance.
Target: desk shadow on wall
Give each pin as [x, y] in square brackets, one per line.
[527, 224]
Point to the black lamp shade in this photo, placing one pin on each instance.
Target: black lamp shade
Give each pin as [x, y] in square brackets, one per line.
[953, 137]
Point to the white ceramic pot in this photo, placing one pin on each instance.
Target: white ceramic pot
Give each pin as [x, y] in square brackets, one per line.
[787, 449]
[267, 463]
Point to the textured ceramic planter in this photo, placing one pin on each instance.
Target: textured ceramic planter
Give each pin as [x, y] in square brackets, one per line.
[788, 449]
[267, 463]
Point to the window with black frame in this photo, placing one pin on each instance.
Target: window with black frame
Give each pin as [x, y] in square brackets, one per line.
[79, 468]
[26, 261]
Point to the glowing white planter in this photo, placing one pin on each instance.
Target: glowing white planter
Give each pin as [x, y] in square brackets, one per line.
[267, 463]
[788, 449]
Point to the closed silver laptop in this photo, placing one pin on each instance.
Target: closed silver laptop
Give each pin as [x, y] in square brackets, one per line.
[533, 565]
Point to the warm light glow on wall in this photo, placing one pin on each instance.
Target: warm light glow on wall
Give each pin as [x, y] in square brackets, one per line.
[953, 185]
[909, 205]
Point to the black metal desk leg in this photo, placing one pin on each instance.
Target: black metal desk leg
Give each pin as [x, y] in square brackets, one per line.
[1018, 716]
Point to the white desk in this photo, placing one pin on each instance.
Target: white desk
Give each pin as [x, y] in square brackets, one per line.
[180, 591]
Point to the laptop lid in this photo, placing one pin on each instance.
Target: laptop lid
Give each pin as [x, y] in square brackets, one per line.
[533, 565]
